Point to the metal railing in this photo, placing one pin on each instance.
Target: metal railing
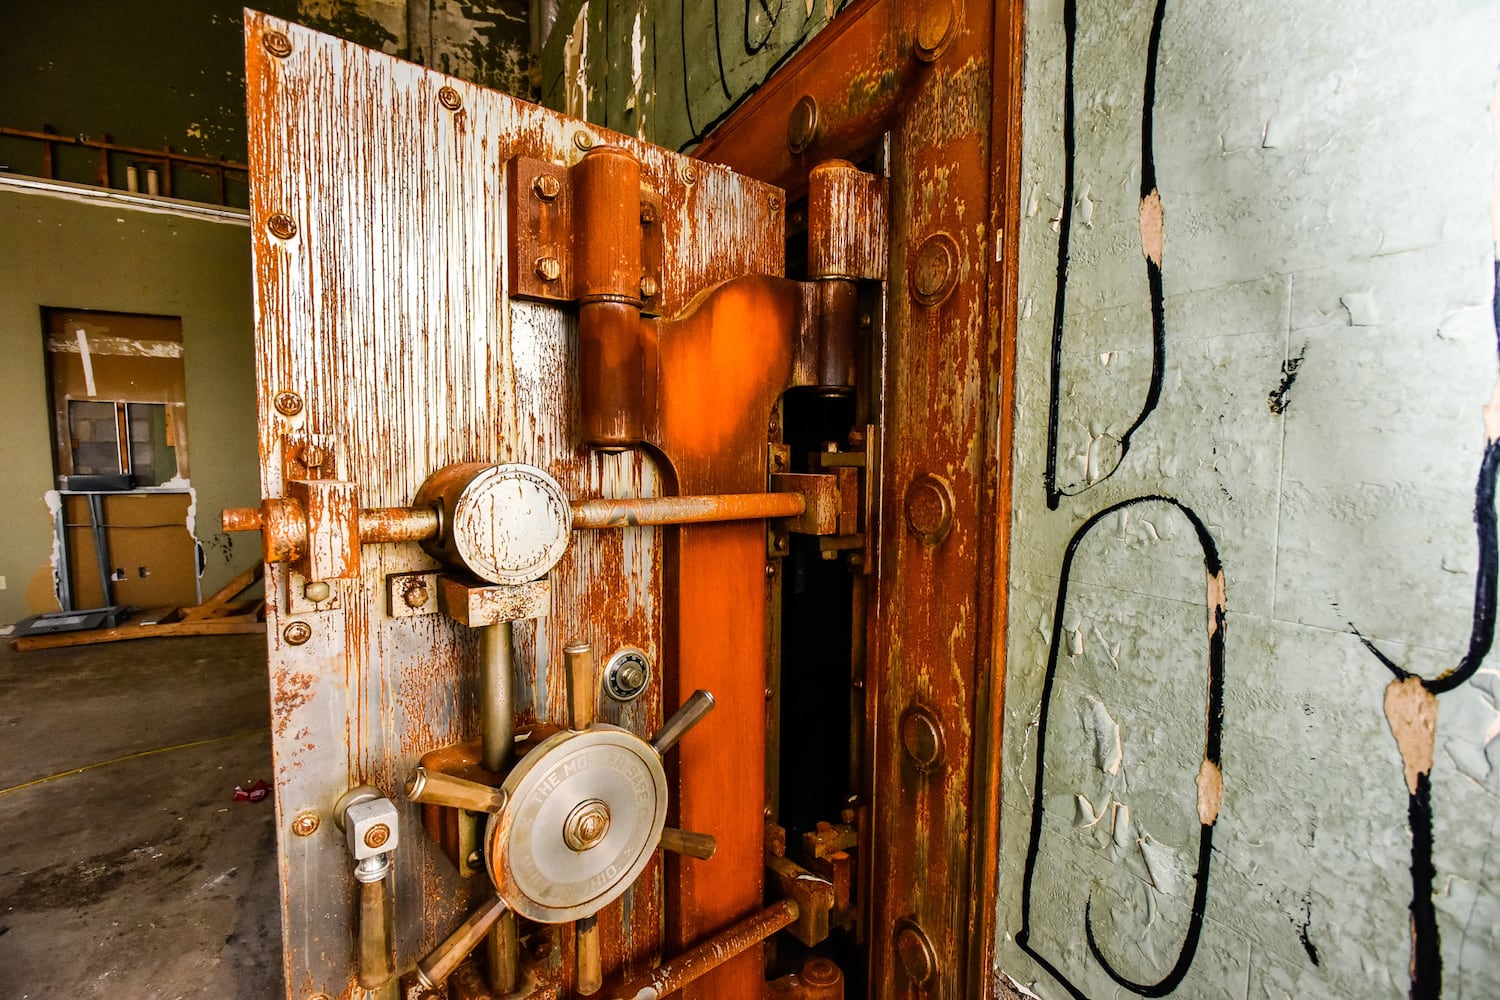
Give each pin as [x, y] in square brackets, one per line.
[148, 171]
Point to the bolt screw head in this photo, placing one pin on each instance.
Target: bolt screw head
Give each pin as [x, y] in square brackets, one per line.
[450, 99]
[297, 633]
[277, 44]
[416, 596]
[288, 404]
[583, 140]
[317, 591]
[548, 268]
[305, 825]
[648, 213]
[546, 187]
[376, 836]
[802, 129]
[687, 173]
[649, 287]
[281, 226]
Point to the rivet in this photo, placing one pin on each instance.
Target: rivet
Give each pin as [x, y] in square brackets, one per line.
[802, 129]
[648, 213]
[929, 507]
[934, 269]
[918, 959]
[934, 29]
[548, 268]
[281, 226]
[450, 99]
[297, 633]
[288, 404]
[583, 140]
[649, 287]
[277, 44]
[546, 186]
[376, 836]
[922, 738]
[305, 825]
[770, 569]
[820, 972]
[313, 456]
[775, 203]
[687, 173]
[317, 591]
[769, 694]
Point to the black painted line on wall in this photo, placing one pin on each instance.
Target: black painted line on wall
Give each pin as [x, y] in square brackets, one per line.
[1065, 220]
[1212, 753]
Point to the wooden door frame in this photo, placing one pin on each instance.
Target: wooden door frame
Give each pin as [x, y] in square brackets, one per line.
[937, 77]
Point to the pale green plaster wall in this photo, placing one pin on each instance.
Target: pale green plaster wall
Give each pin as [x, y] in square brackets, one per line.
[1328, 345]
[65, 252]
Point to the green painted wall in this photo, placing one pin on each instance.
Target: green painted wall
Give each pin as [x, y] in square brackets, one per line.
[1325, 349]
[64, 251]
[667, 72]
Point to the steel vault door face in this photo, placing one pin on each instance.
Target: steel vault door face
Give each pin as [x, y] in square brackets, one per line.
[388, 347]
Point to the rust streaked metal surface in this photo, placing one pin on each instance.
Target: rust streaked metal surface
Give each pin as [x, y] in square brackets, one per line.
[385, 312]
[938, 82]
[687, 509]
[691, 966]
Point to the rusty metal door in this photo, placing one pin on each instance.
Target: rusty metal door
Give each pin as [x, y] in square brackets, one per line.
[560, 471]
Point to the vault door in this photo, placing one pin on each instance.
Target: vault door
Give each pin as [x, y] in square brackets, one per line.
[439, 530]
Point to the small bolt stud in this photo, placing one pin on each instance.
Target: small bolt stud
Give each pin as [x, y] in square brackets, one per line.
[548, 268]
[281, 226]
[305, 825]
[288, 404]
[297, 633]
[546, 187]
[416, 596]
[649, 287]
[450, 99]
[583, 140]
[648, 213]
[376, 836]
[687, 173]
[802, 130]
[317, 591]
[277, 44]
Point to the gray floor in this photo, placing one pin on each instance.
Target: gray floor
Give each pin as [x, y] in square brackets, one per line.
[139, 878]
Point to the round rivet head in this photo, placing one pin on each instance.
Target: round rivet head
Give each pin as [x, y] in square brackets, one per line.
[376, 836]
[918, 959]
[548, 268]
[277, 44]
[317, 591]
[802, 128]
[416, 596]
[305, 825]
[922, 738]
[934, 269]
[649, 287]
[288, 404]
[687, 173]
[583, 140]
[929, 507]
[820, 972]
[546, 187]
[450, 99]
[297, 633]
[281, 226]
[934, 30]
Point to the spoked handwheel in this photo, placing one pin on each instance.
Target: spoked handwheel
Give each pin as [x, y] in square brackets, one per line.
[572, 827]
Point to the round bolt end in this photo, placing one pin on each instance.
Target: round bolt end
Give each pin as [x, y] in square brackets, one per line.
[918, 959]
[288, 404]
[313, 457]
[648, 213]
[277, 44]
[586, 825]
[297, 633]
[929, 507]
[376, 836]
[450, 99]
[802, 129]
[305, 825]
[687, 173]
[934, 30]
[820, 972]
[583, 140]
[416, 596]
[548, 268]
[922, 738]
[281, 226]
[649, 287]
[546, 187]
[317, 591]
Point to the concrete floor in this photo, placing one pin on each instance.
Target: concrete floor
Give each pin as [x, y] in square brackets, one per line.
[139, 878]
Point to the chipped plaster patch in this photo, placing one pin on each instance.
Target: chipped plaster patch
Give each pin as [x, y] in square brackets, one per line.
[1412, 712]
